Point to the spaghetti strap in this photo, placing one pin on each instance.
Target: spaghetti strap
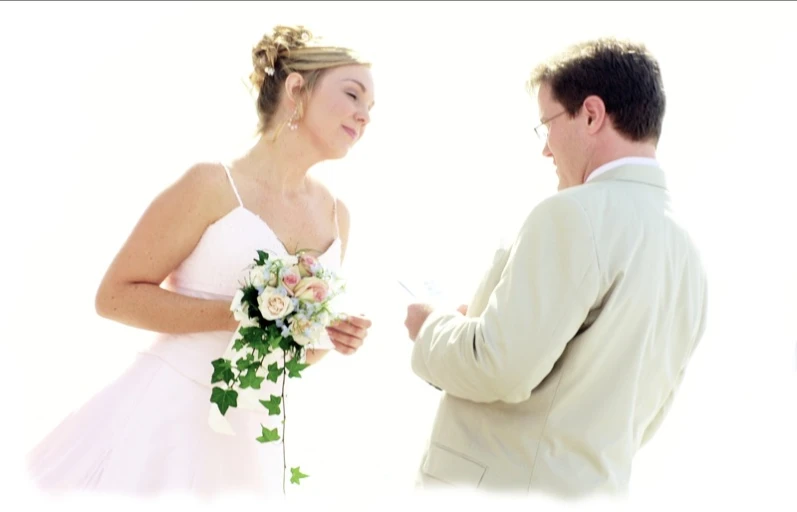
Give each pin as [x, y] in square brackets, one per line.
[232, 183]
[335, 215]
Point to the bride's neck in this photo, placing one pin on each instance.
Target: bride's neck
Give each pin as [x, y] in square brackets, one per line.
[281, 164]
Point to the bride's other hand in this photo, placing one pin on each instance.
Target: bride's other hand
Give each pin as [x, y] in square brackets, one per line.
[349, 335]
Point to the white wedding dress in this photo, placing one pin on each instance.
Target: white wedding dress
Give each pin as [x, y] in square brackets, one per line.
[147, 432]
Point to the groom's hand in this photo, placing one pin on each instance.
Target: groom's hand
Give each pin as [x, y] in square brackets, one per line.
[348, 335]
[416, 316]
[418, 313]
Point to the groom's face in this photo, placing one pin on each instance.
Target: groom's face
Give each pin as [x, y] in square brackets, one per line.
[565, 145]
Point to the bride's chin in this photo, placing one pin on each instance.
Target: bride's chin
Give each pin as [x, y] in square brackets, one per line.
[337, 153]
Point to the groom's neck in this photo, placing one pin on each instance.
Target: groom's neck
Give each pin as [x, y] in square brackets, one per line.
[615, 150]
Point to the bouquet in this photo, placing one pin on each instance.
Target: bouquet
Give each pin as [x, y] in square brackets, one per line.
[283, 309]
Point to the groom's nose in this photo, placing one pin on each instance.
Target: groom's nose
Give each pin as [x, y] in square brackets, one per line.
[546, 151]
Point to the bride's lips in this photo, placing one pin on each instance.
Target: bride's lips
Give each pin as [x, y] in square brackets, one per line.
[351, 132]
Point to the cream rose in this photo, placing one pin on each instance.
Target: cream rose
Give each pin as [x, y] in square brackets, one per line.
[260, 278]
[272, 305]
[303, 332]
[311, 289]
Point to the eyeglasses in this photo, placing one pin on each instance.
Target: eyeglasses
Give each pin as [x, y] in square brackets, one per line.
[542, 129]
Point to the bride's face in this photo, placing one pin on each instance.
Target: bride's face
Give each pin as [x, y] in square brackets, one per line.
[339, 110]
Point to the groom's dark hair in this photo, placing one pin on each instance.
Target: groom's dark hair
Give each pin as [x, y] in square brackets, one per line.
[623, 74]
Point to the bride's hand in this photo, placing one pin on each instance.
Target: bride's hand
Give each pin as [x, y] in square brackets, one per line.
[348, 335]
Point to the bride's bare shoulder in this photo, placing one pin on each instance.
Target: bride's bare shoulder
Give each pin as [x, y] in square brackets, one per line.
[205, 185]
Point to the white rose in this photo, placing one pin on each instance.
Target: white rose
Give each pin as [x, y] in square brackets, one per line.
[239, 309]
[290, 260]
[248, 322]
[237, 301]
[272, 305]
[259, 277]
[303, 332]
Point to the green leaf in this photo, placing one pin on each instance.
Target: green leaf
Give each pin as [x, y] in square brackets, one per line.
[261, 348]
[222, 371]
[272, 404]
[238, 345]
[295, 368]
[274, 372]
[250, 298]
[268, 435]
[274, 339]
[242, 364]
[286, 343]
[224, 399]
[251, 380]
[297, 475]
[262, 257]
[251, 334]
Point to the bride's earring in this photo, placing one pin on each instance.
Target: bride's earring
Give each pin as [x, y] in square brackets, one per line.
[293, 124]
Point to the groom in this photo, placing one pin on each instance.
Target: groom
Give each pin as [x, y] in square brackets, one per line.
[567, 358]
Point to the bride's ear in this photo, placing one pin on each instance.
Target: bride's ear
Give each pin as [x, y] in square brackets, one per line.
[294, 83]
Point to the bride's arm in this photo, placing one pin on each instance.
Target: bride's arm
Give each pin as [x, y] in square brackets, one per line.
[131, 293]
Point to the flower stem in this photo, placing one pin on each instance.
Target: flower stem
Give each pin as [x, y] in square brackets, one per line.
[284, 416]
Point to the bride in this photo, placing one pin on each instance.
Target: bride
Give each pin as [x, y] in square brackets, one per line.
[147, 432]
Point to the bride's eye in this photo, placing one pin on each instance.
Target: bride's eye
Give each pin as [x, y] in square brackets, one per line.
[353, 96]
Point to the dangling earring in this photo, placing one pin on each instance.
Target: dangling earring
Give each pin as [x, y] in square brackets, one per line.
[293, 123]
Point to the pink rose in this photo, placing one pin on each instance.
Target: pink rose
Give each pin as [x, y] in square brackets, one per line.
[307, 264]
[311, 289]
[291, 278]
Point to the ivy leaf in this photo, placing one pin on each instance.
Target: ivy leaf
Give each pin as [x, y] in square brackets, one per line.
[268, 435]
[250, 298]
[294, 368]
[286, 343]
[224, 399]
[274, 372]
[262, 257]
[261, 348]
[272, 404]
[238, 345]
[222, 371]
[274, 339]
[242, 364]
[297, 475]
[251, 334]
[251, 380]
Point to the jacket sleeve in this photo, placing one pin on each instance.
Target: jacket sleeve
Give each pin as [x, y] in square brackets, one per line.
[545, 291]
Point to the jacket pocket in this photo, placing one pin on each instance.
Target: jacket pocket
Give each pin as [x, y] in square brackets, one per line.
[444, 464]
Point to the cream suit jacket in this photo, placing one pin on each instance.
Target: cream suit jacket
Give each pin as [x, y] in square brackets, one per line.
[573, 346]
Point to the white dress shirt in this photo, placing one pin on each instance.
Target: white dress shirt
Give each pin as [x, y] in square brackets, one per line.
[629, 160]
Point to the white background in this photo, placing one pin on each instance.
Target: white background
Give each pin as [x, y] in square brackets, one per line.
[104, 105]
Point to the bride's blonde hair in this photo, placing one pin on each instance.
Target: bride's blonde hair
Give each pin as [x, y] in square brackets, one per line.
[286, 50]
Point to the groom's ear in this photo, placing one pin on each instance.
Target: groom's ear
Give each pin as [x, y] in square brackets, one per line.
[595, 111]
